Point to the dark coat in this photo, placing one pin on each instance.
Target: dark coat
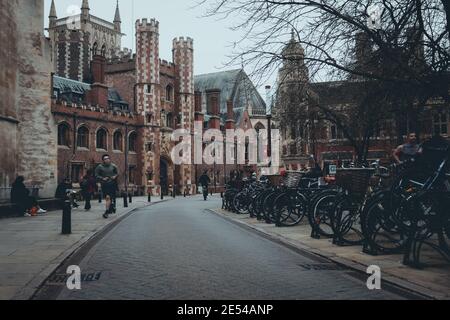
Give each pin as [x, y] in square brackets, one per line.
[61, 190]
[19, 193]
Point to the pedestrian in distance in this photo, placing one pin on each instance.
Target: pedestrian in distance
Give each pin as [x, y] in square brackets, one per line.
[204, 181]
[65, 191]
[88, 188]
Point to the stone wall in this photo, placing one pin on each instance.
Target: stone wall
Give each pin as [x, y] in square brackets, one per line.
[8, 86]
[35, 149]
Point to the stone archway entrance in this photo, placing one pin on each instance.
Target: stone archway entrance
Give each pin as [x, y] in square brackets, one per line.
[165, 175]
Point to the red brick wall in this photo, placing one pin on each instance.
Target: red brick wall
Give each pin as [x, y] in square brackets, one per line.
[94, 120]
[123, 80]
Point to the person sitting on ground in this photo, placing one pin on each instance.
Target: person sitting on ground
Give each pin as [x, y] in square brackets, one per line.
[20, 196]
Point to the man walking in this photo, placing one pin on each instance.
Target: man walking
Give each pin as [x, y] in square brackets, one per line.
[107, 174]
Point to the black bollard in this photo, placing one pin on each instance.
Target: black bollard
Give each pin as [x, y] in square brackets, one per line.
[100, 196]
[130, 199]
[149, 197]
[162, 195]
[125, 200]
[67, 218]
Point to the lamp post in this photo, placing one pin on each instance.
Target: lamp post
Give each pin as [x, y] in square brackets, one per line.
[125, 199]
[269, 123]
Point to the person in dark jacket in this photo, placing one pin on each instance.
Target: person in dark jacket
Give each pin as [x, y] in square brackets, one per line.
[20, 196]
[63, 192]
[88, 188]
[204, 181]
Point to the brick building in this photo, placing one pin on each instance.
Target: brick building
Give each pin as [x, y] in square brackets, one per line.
[228, 100]
[304, 133]
[110, 101]
[27, 128]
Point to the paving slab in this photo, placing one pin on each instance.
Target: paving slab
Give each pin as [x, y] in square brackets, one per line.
[33, 247]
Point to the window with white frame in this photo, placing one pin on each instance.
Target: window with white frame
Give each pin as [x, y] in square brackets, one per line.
[336, 132]
[440, 123]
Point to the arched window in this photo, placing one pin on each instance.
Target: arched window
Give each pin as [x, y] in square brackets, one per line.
[95, 49]
[63, 135]
[259, 126]
[169, 93]
[118, 141]
[169, 120]
[102, 139]
[83, 137]
[103, 53]
[132, 142]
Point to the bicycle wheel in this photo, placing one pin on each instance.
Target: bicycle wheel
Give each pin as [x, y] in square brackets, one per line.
[380, 231]
[268, 212]
[319, 215]
[240, 203]
[345, 221]
[290, 209]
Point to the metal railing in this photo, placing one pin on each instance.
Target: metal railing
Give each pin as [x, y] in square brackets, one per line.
[5, 193]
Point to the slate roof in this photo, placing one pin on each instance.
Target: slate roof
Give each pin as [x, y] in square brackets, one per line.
[68, 86]
[235, 85]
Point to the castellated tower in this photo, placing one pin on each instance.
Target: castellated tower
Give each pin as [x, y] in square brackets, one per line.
[183, 58]
[148, 103]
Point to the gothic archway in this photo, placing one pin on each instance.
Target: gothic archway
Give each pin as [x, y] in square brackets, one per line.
[165, 174]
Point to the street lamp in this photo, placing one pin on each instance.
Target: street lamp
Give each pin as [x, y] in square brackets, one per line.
[269, 123]
[126, 162]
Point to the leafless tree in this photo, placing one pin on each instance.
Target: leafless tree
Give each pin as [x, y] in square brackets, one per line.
[399, 48]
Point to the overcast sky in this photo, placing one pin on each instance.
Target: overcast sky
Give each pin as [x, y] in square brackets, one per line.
[212, 37]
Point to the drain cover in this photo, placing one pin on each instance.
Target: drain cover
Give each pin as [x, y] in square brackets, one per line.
[322, 266]
[61, 279]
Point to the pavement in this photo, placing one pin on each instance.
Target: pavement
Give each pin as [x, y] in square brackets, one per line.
[187, 249]
[32, 248]
[180, 250]
[432, 281]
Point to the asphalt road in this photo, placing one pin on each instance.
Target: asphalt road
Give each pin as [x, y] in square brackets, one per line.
[179, 250]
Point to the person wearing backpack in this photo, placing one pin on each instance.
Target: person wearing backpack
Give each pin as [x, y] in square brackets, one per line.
[88, 188]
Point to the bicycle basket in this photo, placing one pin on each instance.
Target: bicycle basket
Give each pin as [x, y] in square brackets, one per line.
[292, 179]
[354, 180]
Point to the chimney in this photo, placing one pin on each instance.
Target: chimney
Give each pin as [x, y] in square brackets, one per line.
[98, 95]
[98, 65]
[268, 100]
[199, 116]
[230, 124]
[363, 49]
[213, 107]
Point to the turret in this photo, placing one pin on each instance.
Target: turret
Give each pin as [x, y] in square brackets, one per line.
[52, 16]
[117, 20]
[85, 11]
